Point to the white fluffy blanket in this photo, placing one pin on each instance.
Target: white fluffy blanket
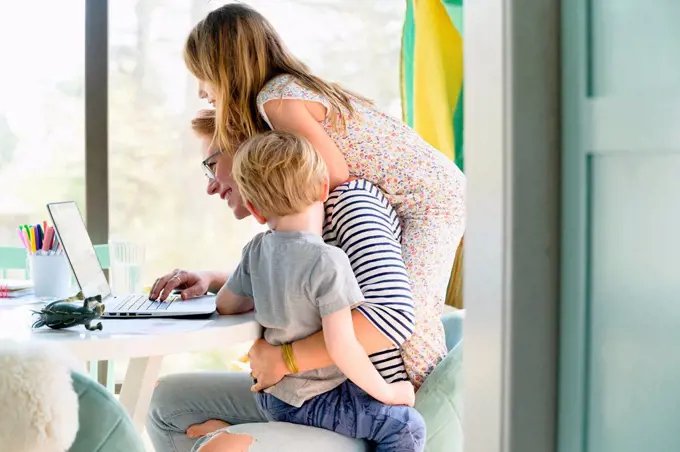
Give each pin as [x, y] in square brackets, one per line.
[38, 405]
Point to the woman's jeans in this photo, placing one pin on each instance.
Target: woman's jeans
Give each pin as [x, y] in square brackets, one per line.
[182, 400]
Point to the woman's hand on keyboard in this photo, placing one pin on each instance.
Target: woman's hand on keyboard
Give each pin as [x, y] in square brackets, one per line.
[191, 284]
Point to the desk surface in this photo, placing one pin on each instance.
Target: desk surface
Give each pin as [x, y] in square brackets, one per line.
[131, 338]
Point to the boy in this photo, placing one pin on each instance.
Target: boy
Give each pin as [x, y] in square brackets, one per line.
[298, 284]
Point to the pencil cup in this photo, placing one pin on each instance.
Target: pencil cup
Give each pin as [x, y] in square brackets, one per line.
[51, 275]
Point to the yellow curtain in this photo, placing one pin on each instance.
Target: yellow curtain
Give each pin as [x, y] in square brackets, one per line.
[432, 88]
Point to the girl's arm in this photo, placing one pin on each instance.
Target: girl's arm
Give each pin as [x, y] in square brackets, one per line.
[303, 117]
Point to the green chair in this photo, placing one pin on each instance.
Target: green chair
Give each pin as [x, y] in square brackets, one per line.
[15, 258]
[439, 400]
[103, 424]
[12, 258]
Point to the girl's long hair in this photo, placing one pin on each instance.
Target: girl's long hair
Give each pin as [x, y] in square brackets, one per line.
[238, 51]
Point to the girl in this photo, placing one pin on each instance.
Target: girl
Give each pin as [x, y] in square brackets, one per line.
[255, 84]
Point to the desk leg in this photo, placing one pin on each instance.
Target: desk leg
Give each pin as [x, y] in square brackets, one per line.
[135, 395]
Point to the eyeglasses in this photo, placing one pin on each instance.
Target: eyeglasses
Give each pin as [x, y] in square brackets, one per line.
[209, 165]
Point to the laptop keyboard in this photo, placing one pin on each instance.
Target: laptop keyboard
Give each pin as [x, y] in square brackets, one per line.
[142, 303]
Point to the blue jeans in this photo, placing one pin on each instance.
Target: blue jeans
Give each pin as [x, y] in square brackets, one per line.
[350, 411]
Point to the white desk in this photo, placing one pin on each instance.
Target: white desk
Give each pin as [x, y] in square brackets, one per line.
[145, 348]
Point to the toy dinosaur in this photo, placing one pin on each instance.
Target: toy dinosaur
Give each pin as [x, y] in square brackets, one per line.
[65, 313]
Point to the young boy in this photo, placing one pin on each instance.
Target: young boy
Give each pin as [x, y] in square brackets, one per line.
[298, 284]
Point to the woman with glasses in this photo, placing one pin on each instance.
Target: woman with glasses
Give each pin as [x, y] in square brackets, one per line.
[361, 222]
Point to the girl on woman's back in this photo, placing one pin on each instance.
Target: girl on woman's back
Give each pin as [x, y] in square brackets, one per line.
[255, 84]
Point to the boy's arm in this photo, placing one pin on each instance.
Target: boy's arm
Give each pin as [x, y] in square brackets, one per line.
[350, 357]
[236, 296]
[229, 303]
[335, 289]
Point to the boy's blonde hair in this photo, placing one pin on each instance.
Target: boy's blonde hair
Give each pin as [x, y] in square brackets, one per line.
[279, 173]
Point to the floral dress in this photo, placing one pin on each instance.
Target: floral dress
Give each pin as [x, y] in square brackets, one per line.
[426, 189]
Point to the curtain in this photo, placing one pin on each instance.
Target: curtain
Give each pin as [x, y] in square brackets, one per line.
[432, 88]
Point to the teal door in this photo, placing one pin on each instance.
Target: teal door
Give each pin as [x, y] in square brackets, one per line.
[620, 315]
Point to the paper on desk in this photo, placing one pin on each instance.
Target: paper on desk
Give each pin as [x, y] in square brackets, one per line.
[23, 301]
[150, 326]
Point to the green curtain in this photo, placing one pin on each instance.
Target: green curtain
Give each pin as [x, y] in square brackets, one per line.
[432, 88]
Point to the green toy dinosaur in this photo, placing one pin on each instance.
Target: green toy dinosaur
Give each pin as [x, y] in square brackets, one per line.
[65, 313]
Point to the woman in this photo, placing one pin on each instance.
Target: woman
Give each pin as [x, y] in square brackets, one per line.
[201, 403]
[245, 70]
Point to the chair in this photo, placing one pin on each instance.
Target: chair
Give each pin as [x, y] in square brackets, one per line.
[15, 258]
[104, 425]
[12, 258]
[439, 400]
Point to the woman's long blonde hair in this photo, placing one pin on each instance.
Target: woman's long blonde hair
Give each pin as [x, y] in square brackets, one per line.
[238, 51]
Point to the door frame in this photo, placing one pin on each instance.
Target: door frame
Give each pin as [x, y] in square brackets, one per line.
[512, 257]
[577, 87]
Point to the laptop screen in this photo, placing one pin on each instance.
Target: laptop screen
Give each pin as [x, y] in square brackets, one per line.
[70, 227]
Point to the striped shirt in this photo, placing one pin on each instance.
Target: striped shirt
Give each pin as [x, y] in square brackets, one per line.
[361, 222]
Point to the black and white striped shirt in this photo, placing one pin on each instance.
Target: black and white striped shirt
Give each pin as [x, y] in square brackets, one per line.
[361, 222]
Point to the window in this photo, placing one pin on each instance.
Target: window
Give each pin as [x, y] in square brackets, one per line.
[157, 188]
[356, 43]
[42, 143]
[156, 185]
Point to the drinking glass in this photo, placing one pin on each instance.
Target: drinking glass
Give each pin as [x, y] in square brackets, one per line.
[127, 259]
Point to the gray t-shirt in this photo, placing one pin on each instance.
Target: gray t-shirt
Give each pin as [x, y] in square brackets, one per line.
[295, 279]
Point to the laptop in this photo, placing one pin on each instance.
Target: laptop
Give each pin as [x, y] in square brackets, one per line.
[70, 228]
